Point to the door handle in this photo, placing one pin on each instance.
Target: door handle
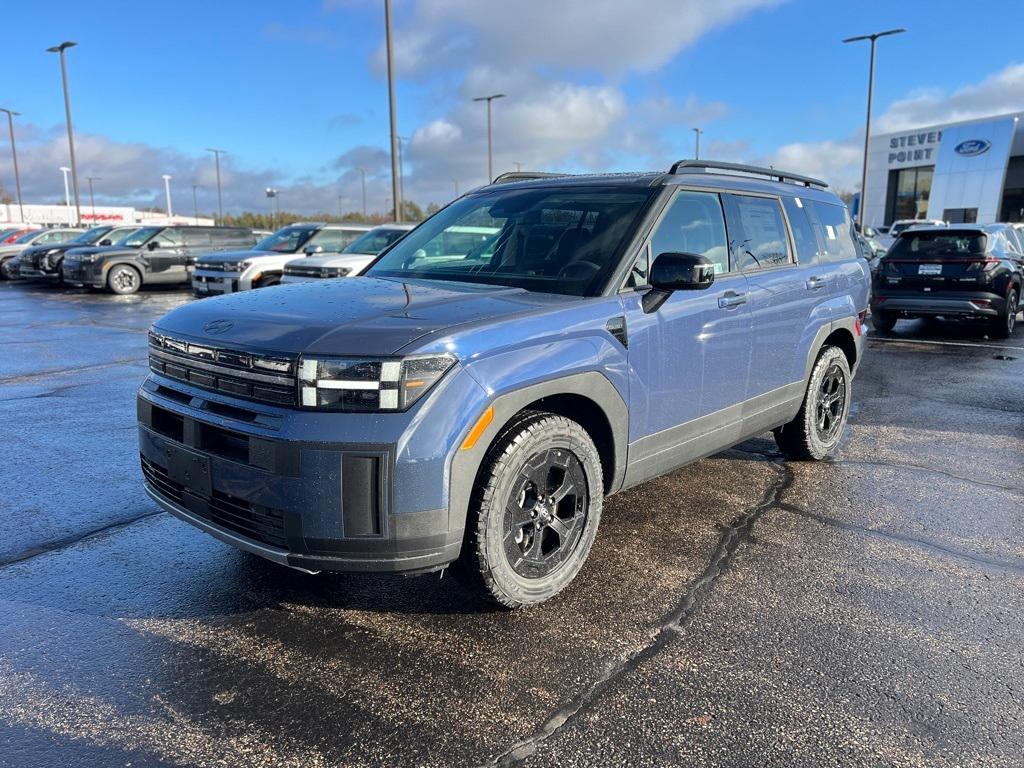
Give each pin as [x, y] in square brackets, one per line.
[816, 282]
[731, 299]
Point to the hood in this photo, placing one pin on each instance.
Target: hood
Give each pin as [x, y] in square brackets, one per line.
[89, 250]
[364, 316]
[32, 250]
[334, 260]
[221, 256]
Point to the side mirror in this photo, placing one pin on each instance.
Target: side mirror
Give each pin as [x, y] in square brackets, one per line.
[677, 272]
[310, 250]
[153, 245]
[106, 241]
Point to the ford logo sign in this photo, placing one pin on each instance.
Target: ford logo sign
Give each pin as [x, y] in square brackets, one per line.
[973, 147]
[215, 327]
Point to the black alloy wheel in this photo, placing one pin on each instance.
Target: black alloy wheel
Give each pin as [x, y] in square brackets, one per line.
[830, 405]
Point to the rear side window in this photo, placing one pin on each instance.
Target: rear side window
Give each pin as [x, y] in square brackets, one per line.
[803, 233]
[693, 223]
[196, 237]
[757, 232]
[834, 228]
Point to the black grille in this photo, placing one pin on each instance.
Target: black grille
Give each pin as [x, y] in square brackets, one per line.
[232, 372]
[261, 524]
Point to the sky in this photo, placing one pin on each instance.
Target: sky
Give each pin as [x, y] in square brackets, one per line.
[296, 92]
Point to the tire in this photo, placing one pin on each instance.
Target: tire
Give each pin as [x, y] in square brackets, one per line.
[6, 272]
[883, 321]
[268, 281]
[1003, 325]
[124, 280]
[814, 434]
[520, 549]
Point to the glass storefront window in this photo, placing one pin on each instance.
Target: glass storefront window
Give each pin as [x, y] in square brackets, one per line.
[909, 190]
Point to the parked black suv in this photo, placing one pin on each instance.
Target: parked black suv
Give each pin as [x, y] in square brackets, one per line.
[153, 255]
[969, 271]
[43, 262]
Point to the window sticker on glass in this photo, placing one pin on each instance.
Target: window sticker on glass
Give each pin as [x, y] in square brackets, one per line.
[799, 202]
[719, 268]
[830, 231]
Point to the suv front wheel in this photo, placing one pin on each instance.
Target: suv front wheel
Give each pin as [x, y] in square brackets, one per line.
[536, 511]
[124, 280]
[818, 426]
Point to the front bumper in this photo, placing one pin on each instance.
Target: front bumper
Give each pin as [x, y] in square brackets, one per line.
[272, 485]
[84, 272]
[946, 303]
[300, 279]
[214, 282]
[35, 274]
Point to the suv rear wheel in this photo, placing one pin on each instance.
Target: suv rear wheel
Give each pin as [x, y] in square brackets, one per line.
[883, 321]
[818, 427]
[124, 280]
[1003, 325]
[536, 511]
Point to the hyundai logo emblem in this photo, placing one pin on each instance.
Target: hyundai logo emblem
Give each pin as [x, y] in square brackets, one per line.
[973, 147]
[216, 327]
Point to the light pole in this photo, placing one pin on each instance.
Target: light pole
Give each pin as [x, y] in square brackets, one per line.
[490, 152]
[14, 156]
[67, 193]
[167, 188]
[696, 151]
[195, 205]
[92, 197]
[867, 123]
[220, 200]
[341, 206]
[456, 183]
[396, 190]
[59, 49]
[362, 172]
[401, 168]
[272, 194]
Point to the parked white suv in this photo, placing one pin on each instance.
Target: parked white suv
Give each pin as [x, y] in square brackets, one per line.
[234, 271]
[356, 256]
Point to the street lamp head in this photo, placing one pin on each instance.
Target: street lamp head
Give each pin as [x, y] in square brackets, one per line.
[488, 98]
[65, 169]
[167, 177]
[61, 47]
[875, 35]
[222, 151]
[10, 112]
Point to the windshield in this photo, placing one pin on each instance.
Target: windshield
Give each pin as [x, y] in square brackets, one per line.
[90, 236]
[926, 245]
[287, 240]
[28, 236]
[549, 240]
[139, 238]
[374, 241]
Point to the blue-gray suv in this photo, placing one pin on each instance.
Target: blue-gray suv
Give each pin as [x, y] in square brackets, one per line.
[472, 400]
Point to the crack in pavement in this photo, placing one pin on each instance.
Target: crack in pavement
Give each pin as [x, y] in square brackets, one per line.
[669, 627]
[70, 541]
[901, 538]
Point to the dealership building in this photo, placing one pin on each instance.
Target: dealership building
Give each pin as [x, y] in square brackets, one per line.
[64, 216]
[971, 171]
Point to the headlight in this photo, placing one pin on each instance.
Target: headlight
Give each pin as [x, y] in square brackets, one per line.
[334, 271]
[90, 257]
[364, 385]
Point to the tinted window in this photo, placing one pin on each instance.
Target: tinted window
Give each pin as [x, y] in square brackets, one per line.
[803, 233]
[693, 223]
[924, 245]
[139, 238]
[196, 237]
[287, 240]
[547, 239]
[169, 238]
[834, 228]
[757, 232]
[377, 240]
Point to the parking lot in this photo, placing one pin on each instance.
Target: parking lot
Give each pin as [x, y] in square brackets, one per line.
[741, 611]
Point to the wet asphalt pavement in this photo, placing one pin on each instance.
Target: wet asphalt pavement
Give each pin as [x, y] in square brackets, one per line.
[741, 611]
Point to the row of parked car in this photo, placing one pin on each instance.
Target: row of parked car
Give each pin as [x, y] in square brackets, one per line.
[122, 259]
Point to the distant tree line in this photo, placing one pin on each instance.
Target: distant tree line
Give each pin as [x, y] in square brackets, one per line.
[411, 212]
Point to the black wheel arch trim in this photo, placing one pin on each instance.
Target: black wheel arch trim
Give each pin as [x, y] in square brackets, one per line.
[592, 385]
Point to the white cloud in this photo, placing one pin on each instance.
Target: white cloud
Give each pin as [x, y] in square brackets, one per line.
[838, 161]
[607, 36]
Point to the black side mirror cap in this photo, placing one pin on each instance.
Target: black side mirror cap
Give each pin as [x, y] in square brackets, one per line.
[106, 241]
[677, 272]
[153, 245]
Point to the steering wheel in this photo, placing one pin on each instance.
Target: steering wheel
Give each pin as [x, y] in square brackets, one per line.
[579, 270]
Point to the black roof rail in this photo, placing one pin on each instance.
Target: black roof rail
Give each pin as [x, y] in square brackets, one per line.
[699, 166]
[508, 178]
